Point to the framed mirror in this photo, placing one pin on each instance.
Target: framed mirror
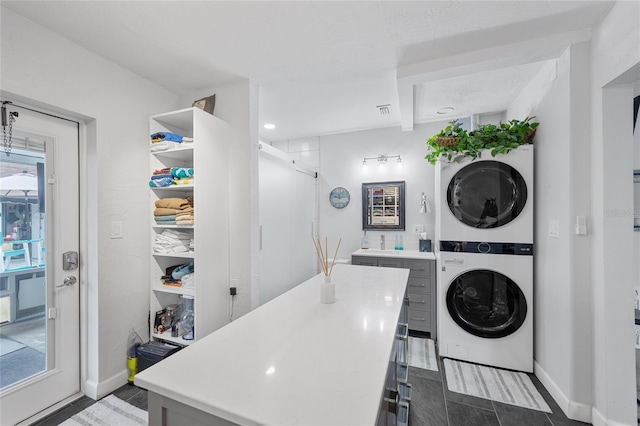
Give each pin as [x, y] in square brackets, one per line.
[383, 206]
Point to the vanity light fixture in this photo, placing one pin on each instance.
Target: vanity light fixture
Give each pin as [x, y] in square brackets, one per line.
[381, 159]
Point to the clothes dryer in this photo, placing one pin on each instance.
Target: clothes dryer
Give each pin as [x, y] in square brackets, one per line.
[488, 199]
[485, 306]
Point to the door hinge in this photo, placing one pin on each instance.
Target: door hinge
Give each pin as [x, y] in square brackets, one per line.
[52, 313]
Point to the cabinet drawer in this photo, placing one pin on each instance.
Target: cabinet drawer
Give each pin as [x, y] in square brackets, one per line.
[419, 285]
[364, 260]
[419, 268]
[419, 320]
[390, 263]
[419, 301]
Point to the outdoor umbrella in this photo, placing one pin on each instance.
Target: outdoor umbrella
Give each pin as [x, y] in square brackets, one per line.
[19, 184]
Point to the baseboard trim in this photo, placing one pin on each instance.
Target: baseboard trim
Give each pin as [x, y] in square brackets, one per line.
[597, 418]
[572, 409]
[97, 390]
[600, 420]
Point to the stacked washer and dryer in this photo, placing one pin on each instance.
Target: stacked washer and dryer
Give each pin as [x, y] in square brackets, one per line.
[484, 229]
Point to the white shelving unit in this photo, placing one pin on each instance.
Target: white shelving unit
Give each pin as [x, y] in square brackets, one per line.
[208, 155]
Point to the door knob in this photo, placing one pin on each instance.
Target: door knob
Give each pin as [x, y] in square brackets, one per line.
[70, 280]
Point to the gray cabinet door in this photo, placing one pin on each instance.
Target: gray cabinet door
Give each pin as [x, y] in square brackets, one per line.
[390, 263]
[364, 260]
[420, 288]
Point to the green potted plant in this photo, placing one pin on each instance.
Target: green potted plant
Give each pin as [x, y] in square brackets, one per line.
[453, 143]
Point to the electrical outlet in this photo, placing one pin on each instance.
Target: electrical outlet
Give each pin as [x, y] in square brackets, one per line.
[418, 229]
[554, 231]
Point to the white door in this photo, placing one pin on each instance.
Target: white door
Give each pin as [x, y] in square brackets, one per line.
[287, 213]
[40, 304]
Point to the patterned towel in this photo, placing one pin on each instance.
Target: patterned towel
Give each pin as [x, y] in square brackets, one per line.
[182, 172]
[161, 183]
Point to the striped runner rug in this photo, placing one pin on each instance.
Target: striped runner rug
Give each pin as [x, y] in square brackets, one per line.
[110, 410]
[509, 387]
[422, 354]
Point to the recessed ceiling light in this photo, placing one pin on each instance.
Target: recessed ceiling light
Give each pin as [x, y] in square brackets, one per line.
[445, 110]
[269, 126]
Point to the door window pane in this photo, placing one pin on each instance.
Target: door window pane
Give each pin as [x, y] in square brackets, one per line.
[23, 288]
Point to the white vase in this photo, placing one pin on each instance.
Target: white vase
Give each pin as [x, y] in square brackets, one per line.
[327, 291]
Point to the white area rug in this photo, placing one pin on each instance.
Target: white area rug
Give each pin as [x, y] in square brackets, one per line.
[422, 353]
[509, 387]
[7, 346]
[109, 411]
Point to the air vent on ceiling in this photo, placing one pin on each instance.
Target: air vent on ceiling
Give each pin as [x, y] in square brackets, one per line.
[384, 109]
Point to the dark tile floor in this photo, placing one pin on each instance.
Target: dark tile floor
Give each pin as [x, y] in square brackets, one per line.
[432, 404]
[132, 394]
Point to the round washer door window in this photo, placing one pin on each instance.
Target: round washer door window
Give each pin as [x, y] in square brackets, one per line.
[486, 303]
[487, 194]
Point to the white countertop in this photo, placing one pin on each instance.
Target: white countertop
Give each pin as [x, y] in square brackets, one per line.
[294, 360]
[405, 254]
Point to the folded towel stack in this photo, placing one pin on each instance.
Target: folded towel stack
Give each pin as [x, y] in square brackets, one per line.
[174, 211]
[171, 176]
[172, 241]
[163, 141]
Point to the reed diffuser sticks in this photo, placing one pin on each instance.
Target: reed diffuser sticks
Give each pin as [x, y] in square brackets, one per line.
[323, 255]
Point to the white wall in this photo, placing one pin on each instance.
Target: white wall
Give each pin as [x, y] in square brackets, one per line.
[45, 69]
[615, 65]
[584, 321]
[341, 158]
[559, 98]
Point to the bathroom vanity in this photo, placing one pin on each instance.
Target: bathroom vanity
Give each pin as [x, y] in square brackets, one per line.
[294, 360]
[422, 282]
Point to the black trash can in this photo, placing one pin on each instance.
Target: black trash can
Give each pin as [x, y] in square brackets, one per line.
[153, 352]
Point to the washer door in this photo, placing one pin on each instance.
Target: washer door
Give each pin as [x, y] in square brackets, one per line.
[487, 194]
[486, 303]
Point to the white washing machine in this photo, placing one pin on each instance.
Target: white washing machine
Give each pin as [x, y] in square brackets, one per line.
[489, 199]
[485, 306]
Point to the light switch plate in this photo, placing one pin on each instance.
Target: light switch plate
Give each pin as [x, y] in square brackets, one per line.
[554, 231]
[581, 225]
[116, 230]
[418, 229]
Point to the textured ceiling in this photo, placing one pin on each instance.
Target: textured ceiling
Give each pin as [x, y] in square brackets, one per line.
[323, 67]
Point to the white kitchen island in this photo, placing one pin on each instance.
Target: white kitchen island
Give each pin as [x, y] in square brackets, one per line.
[292, 361]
